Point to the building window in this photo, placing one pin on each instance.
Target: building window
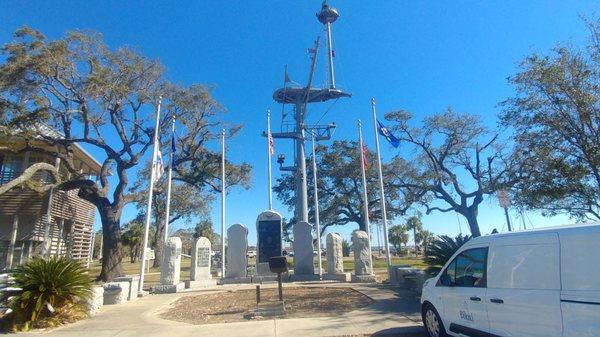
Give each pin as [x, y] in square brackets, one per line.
[11, 167]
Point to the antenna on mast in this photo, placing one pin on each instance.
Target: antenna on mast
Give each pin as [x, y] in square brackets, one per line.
[327, 16]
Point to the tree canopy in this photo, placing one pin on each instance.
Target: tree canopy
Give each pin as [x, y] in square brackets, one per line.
[555, 114]
[340, 187]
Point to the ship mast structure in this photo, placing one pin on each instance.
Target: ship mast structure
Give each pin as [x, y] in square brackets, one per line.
[300, 98]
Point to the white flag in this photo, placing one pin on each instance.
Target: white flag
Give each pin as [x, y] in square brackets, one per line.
[159, 169]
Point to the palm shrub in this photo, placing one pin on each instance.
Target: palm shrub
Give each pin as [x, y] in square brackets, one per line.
[441, 249]
[47, 287]
[346, 247]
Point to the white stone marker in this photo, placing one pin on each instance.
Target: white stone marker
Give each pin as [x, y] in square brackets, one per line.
[171, 263]
[303, 249]
[237, 245]
[363, 270]
[200, 267]
[335, 256]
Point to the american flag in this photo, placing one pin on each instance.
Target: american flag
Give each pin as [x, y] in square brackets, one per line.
[364, 155]
[271, 145]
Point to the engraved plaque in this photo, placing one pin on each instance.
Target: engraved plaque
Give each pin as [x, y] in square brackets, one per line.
[202, 257]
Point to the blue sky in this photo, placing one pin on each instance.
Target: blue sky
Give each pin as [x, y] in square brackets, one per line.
[418, 55]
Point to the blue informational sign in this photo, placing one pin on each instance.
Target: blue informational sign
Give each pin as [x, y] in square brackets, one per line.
[269, 239]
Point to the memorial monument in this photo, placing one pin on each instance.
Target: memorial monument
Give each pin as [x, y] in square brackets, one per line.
[269, 230]
[363, 268]
[200, 276]
[335, 259]
[171, 267]
[303, 251]
[236, 262]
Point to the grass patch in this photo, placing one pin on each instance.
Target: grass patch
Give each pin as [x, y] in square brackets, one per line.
[152, 277]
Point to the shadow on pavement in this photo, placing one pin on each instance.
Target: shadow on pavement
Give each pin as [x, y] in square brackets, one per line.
[401, 332]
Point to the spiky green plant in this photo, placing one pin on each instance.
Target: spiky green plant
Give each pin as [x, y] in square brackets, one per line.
[441, 249]
[56, 282]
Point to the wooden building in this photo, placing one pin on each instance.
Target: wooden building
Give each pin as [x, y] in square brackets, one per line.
[53, 223]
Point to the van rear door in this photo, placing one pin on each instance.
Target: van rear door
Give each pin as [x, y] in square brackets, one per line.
[580, 296]
[523, 295]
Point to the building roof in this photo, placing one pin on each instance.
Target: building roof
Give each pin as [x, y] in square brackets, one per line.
[85, 160]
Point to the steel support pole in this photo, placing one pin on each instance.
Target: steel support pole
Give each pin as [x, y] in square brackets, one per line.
[365, 194]
[269, 154]
[507, 219]
[223, 187]
[302, 199]
[316, 201]
[150, 194]
[381, 189]
[330, 55]
[170, 176]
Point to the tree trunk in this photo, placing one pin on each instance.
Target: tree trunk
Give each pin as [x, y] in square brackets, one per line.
[415, 240]
[473, 224]
[362, 225]
[111, 249]
[157, 245]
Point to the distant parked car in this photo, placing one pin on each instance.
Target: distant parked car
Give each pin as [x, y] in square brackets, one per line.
[536, 283]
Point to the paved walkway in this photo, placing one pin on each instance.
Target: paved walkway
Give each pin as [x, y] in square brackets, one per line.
[395, 313]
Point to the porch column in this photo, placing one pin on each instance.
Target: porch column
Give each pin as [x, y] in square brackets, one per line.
[22, 252]
[13, 240]
[61, 228]
[47, 244]
[30, 250]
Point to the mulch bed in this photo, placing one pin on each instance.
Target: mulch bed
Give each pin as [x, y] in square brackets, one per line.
[224, 307]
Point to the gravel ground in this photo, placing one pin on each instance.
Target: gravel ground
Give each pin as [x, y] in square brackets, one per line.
[230, 306]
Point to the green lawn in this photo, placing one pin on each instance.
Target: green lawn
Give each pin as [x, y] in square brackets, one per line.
[153, 276]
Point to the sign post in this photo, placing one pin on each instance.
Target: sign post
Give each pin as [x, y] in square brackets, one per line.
[504, 201]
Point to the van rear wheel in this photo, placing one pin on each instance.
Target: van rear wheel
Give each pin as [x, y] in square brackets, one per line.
[432, 322]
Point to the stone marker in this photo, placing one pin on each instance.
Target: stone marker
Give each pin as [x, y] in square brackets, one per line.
[200, 267]
[115, 292]
[171, 263]
[363, 270]
[134, 282]
[94, 303]
[335, 256]
[237, 246]
[171, 267]
[335, 260]
[269, 233]
[303, 249]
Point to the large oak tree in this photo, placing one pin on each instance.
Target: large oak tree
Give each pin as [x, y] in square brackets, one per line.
[452, 162]
[106, 101]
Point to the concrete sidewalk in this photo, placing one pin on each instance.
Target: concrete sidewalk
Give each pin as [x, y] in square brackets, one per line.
[395, 313]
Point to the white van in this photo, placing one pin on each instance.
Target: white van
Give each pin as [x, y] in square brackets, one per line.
[542, 283]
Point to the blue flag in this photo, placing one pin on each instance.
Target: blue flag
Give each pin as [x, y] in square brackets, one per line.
[387, 134]
[173, 147]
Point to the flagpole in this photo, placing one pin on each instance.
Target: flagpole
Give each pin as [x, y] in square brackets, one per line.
[381, 190]
[223, 203]
[168, 207]
[269, 154]
[316, 201]
[365, 195]
[150, 193]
